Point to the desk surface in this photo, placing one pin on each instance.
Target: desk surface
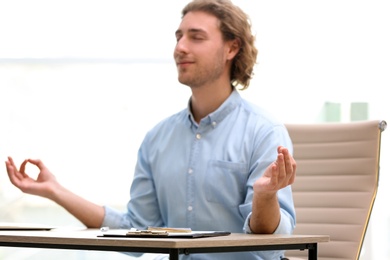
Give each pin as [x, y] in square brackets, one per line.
[90, 239]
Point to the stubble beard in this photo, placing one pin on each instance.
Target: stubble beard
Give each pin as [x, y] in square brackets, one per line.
[203, 75]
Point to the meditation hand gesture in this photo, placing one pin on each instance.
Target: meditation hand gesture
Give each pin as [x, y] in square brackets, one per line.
[42, 186]
[278, 175]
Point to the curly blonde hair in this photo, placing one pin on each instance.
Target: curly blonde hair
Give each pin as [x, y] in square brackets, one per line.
[234, 24]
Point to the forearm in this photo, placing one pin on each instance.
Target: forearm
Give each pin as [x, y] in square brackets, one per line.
[265, 216]
[90, 214]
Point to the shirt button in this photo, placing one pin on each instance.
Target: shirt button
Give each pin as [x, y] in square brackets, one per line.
[189, 208]
[214, 124]
[190, 171]
[198, 136]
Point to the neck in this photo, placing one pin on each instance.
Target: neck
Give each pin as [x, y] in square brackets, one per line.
[206, 100]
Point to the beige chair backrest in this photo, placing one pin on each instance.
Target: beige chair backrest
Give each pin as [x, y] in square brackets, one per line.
[336, 184]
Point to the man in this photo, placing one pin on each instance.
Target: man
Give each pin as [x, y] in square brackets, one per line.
[220, 164]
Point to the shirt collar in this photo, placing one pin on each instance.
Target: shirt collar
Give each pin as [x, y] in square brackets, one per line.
[218, 115]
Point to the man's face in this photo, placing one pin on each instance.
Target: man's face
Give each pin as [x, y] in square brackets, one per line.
[200, 52]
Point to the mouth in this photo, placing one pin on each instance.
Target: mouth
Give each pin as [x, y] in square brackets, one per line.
[183, 63]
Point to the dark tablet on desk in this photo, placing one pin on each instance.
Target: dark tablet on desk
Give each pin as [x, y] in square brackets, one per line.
[192, 234]
[10, 226]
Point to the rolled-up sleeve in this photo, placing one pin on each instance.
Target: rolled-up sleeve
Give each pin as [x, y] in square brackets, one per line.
[286, 224]
[112, 218]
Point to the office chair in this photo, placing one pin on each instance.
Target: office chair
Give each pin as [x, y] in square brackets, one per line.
[336, 184]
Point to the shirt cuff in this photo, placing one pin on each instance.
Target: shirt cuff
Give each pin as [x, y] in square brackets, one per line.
[285, 226]
[112, 218]
[246, 228]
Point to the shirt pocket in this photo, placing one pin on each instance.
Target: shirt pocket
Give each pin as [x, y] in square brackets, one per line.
[226, 182]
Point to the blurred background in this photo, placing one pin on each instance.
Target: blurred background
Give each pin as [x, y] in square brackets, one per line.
[81, 82]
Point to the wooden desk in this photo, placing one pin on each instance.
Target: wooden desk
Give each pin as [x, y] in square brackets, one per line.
[88, 240]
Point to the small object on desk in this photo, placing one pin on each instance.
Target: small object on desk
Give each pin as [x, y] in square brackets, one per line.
[148, 232]
[171, 230]
[104, 229]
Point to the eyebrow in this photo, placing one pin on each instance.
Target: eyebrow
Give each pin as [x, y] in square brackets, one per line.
[192, 30]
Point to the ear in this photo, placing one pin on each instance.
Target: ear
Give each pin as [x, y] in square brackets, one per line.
[233, 47]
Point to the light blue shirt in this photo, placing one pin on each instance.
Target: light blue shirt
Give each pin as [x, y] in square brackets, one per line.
[201, 176]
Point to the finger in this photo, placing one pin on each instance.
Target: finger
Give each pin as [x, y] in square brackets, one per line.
[274, 180]
[22, 169]
[37, 163]
[12, 171]
[281, 166]
[290, 166]
[288, 159]
[292, 178]
[8, 166]
[11, 161]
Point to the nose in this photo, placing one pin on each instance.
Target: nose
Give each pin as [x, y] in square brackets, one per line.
[181, 46]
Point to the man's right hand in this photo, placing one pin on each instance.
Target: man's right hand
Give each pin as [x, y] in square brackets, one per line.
[46, 185]
[42, 186]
